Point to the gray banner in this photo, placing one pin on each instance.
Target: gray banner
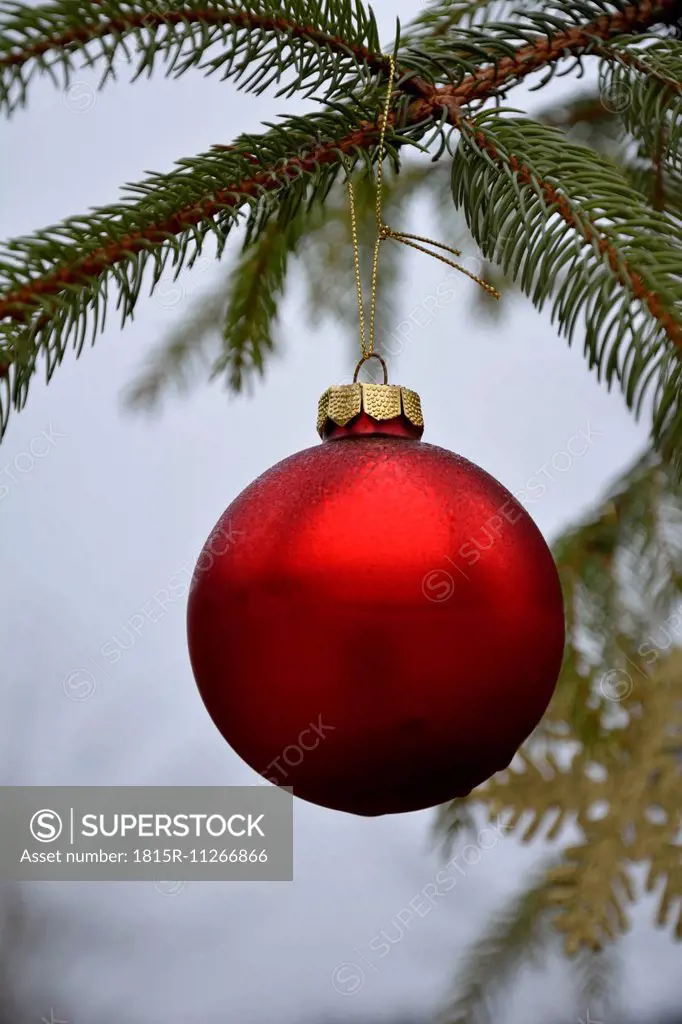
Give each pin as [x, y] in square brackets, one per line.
[128, 833]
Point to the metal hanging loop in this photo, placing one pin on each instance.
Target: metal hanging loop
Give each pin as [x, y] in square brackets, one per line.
[363, 360]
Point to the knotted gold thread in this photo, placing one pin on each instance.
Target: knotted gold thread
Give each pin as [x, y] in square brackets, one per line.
[384, 231]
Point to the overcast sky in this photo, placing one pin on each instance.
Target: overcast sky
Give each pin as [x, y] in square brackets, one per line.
[122, 503]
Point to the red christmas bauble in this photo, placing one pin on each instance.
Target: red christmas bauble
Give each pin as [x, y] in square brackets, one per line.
[375, 621]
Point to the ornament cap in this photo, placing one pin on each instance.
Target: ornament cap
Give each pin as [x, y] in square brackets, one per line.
[341, 404]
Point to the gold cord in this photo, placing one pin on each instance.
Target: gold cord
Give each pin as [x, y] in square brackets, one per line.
[383, 232]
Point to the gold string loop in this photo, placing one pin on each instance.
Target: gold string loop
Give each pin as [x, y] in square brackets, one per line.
[383, 232]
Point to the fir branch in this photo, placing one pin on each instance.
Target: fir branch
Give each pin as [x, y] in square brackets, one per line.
[660, 183]
[185, 357]
[621, 568]
[183, 203]
[646, 76]
[445, 17]
[231, 327]
[55, 283]
[564, 221]
[621, 572]
[15, 303]
[256, 284]
[647, 57]
[226, 330]
[666, 868]
[324, 46]
[589, 891]
[506, 62]
[520, 933]
[598, 984]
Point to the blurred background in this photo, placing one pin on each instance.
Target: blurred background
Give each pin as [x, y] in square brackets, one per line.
[123, 502]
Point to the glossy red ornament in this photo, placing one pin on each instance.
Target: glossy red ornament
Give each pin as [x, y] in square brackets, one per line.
[376, 621]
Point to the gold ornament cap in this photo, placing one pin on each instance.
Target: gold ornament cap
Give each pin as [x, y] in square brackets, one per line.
[343, 403]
